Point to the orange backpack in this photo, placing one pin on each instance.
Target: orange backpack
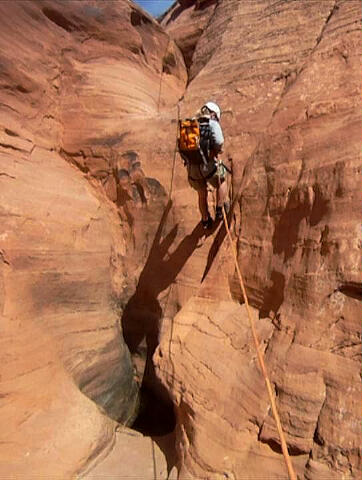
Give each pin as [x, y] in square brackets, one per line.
[194, 140]
[188, 135]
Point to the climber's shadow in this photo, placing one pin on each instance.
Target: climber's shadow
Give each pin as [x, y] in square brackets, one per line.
[218, 241]
[143, 313]
[140, 319]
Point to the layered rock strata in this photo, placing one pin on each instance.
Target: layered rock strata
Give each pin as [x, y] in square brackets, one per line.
[287, 76]
[91, 243]
[69, 258]
[185, 22]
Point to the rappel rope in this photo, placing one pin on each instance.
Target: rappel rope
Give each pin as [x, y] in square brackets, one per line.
[175, 152]
[288, 462]
[169, 200]
[161, 76]
[283, 442]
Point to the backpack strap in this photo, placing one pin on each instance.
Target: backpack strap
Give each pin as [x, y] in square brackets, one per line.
[205, 138]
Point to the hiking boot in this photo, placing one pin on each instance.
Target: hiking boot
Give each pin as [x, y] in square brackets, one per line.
[207, 224]
[218, 213]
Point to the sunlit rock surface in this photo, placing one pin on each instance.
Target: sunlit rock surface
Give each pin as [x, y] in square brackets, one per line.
[66, 264]
[100, 238]
[287, 76]
[185, 22]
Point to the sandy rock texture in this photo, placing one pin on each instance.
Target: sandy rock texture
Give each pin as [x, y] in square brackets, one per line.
[140, 457]
[60, 330]
[185, 22]
[69, 197]
[287, 76]
[100, 237]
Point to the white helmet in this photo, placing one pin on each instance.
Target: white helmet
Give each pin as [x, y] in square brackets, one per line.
[213, 107]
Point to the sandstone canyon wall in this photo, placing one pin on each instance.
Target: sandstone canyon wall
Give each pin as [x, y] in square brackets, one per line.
[91, 247]
[287, 75]
[74, 78]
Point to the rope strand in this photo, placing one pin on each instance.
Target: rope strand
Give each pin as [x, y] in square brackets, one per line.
[174, 153]
[283, 442]
[289, 465]
[161, 76]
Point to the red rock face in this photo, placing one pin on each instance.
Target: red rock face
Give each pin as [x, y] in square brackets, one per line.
[87, 245]
[287, 77]
[68, 99]
[185, 22]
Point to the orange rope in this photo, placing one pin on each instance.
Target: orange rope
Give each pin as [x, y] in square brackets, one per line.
[291, 473]
[288, 462]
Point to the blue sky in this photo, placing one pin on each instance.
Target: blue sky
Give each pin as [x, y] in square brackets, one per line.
[155, 7]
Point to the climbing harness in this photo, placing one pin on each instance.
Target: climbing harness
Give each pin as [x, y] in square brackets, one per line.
[291, 473]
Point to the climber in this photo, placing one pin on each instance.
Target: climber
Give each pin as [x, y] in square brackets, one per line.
[206, 167]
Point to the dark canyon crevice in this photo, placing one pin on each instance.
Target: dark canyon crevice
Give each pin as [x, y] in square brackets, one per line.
[142, 320]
